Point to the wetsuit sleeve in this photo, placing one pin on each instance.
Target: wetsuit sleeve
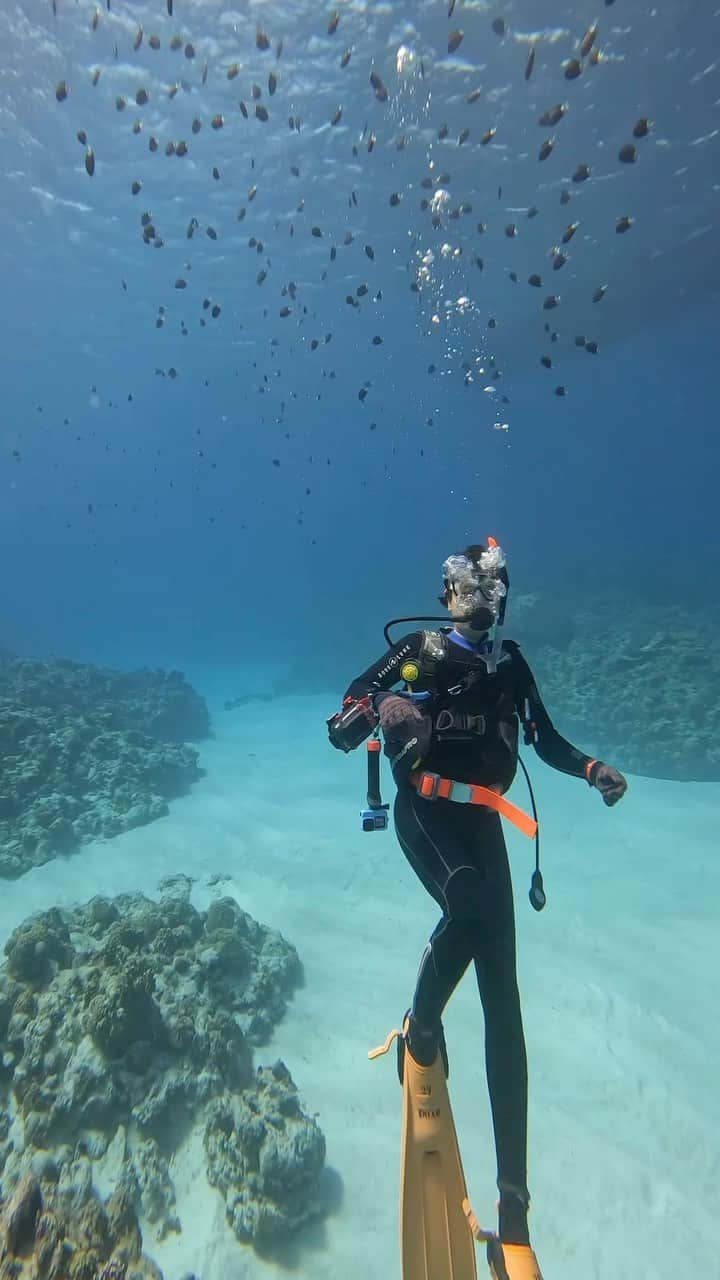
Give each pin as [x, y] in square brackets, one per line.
[384, 673]
[539, 728]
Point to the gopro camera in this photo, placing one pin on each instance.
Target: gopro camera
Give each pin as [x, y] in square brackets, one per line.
[375, 819]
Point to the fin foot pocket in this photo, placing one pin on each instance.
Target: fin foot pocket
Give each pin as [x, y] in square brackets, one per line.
[512, 1261]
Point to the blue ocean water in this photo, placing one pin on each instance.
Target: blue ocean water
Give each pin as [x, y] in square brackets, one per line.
[248, 496]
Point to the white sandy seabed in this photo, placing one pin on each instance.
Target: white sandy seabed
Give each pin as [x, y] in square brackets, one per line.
[618, 977]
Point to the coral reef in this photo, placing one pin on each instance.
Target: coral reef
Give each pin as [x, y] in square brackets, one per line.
[266, 1156]
[126, 1023]
[53, 1229]
[636, 684]
[89, 753]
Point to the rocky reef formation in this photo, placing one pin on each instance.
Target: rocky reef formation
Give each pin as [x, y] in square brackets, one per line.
[126, 1025]
[637, 684]
[89, 753]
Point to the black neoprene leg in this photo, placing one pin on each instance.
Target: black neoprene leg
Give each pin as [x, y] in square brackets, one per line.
[458, 852]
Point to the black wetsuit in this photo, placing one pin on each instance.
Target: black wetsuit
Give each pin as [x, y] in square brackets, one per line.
[458, 852]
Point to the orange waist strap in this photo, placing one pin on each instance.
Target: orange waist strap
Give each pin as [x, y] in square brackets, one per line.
[432, 787]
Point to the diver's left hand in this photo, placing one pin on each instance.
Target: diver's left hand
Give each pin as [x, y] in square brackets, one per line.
[610, 783]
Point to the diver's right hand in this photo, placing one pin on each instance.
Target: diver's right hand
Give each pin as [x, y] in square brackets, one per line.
[394, 711]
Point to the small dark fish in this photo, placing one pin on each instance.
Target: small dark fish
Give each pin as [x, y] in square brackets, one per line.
[642, 127]
[261, 112]
[170, 8]
[152, 144]
[560, 391]
[569, 232]
[463, 136]
[176, 43]
[588, 40]
[511, 230]
[553, 116]
[474, 96]
[252, 192]
[579, 341]
[173, 90]
[315, 231]
[169, 148]
[215, 312]
[256, 92]
[95, 76]
[369, 251]
[513, 276]
[285, 312]
[455, 39]
[345, 58]
[61, 91]
[196, 125]
[180, 283]
[546, 362]
[81, 137]
[481, 228]
[395, 200]
[243, 109]
[90, 161]
[546, 148]
[361, 290]
[205, 72]
[211, 233]
[582, 173]
[628, 153]
[492, 323]
[499, 26]
[371, 143]
[154, 42]
[217, 122]
[558, 260]
[362, 394]
[530, 62]
[261, 276]
[332, 25]
[189, 51]
[451, 8]
[443, 132]
[272, 83]
[592, 347]
[95, 19]
[377, 340]
[624, 224]
[142, 97]
[536, 281]
[120, 103]
[261, 40]
[138, 39]
[552, 300]
[573, 69]
[381, 92]
[192, 227]
[233, 71]
[137, 126]
[488, 136]
[480, 264]
[599, 293]
[336, 116]
[565, 197]
[145, 219]
[136, 188]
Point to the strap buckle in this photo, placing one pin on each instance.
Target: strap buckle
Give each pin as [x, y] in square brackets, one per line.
[428, 785]
[461, 792]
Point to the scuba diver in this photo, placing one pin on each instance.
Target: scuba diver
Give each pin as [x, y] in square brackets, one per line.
[451, 737]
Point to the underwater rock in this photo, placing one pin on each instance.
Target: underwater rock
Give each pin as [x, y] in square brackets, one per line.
[266, 1156]
[48, 1234]
[89, 753]
[122, 1021]
[637, 684]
